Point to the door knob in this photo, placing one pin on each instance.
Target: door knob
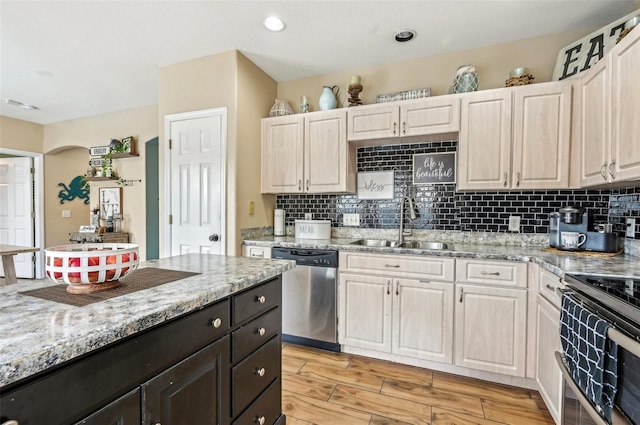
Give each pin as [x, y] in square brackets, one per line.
[214, 237]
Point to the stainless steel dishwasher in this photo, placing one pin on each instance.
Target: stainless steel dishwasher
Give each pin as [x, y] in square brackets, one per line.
[309, 295]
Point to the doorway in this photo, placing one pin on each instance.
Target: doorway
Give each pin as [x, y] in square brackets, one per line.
[195, 160]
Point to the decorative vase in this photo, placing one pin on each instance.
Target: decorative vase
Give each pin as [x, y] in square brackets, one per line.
[328, 98]
[280, 109]
[466, 79]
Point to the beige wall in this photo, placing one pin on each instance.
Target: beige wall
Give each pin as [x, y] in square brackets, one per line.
[62, 143]
[21, 135]
[225, 80]
[61, 169]
[256, 95]
[492, 63]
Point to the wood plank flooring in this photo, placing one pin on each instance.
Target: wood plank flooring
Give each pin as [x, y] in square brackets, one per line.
[320, 387]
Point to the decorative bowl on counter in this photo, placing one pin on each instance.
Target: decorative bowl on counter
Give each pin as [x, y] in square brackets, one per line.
[91, 263]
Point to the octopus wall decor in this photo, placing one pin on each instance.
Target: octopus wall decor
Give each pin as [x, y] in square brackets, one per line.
[76, 189]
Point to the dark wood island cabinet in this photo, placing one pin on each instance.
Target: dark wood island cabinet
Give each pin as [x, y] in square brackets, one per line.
[220, 364]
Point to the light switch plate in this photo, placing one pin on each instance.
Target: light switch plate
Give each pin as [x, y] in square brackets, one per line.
[631, 228]
[66, 213]
[514, 223]
[351, 219]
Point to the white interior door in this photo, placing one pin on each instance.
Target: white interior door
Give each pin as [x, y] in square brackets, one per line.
[16, 207]
[197, 183]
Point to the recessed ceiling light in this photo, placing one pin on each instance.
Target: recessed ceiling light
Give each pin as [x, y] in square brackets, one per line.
[20, 104]
[273, 23]
[405, 35]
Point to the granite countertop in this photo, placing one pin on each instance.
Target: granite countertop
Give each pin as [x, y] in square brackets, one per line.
[37, 334]
[558, 263]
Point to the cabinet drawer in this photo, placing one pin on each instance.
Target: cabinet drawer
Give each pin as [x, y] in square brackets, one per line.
[257, 300]
[434, 268]
[549, 286]
[255, 333]
[252, 375]
[256, 251]
[503, 273]
[267, 406]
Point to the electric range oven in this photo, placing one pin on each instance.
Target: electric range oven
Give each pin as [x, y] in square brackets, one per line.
[616, 300]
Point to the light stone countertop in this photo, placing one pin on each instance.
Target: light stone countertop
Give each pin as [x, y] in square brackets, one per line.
[557, 263]
[36, 334]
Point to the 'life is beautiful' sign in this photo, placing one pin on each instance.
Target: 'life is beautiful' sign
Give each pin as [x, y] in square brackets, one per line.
[375, 185]
[429, 168]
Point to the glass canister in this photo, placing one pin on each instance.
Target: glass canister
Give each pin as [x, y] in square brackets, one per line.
[466, 79]
[117, 222]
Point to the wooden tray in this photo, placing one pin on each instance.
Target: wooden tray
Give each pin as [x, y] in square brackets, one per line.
[582, 253]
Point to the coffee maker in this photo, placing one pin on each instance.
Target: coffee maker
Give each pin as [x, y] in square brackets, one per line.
[576, 219]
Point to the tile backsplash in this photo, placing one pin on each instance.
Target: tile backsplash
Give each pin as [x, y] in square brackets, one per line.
[442, 207]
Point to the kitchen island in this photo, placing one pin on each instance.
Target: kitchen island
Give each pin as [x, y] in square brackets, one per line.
[87, 357]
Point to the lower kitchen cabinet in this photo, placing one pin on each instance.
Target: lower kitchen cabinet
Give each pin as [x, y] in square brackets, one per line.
[408, 317]
[548, 374]
[217, 365]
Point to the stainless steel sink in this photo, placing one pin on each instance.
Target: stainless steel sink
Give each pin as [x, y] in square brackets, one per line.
[424, 245]
[375, 242]
[405, 244]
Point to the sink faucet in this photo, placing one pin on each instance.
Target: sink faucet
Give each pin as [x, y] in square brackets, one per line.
[412, 214]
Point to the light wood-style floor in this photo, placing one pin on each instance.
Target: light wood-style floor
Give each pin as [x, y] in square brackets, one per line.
[320, 387]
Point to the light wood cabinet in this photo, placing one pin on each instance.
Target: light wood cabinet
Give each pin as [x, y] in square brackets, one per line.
[608, 125]
[419, 117]
[515, 138]
[397, 304]
[307, 153]
[491, 316]
[256, 251]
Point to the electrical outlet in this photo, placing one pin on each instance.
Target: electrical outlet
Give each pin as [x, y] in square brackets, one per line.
[252, 208]
[308, 216]
[514, 223]
[66, 213]
[631, 228]
[351, 219]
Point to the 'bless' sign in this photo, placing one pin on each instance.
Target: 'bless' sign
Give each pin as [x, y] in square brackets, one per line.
[580, 56]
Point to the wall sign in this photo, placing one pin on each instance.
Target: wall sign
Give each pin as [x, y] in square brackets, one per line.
[77, 189]
[375, 185]
[429, 168]
[99, 150]
[110, 201]
[580, 56]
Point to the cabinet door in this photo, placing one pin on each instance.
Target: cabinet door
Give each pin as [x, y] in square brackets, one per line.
[373, 122]
[365, 312]
[190, 392]
[548, 374]
[594, 113]
[423, 319]
[484, 145]
[123, 411]
[436, 115]
[282, 154]
[327, 163]
[490, 329]
[625, 100]
[541, 136]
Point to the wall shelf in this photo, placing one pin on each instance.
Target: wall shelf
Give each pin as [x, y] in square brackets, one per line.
[99, 179]
[124, 155]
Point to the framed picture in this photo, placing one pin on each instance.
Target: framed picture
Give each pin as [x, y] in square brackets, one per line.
[110, 201]
[430, 168]
[375, 185]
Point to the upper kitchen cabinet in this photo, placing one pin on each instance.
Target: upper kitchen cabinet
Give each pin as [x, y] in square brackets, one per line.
[421, 117]
[609, 108]
[515, 138]
[307, 153]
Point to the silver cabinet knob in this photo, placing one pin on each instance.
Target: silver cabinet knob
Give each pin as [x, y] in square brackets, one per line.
[214, 238]
[262, 331]
[260, 420]
[260, 372]
[14, 422]
[217, 322]
[261, 299]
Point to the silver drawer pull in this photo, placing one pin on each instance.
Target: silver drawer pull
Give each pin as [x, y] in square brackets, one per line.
[14, 422]
[261, 299]
[262, 331]
[253, 254]
[395, 266]
[260, 372]
[260, 420]
[217, 322]
[549, 287]
[483, 273]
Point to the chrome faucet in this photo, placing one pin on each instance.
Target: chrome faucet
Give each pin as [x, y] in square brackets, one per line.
[412, 214]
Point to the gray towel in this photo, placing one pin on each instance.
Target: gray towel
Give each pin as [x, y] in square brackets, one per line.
[591, 357]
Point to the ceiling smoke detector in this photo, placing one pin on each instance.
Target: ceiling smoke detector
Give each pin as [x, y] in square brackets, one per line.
[404, 35]
[273, 23]
[20, 105]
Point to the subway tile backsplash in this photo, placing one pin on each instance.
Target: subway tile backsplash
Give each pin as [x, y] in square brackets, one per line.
[441, 207]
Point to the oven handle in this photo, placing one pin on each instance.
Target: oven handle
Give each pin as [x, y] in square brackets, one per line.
[578, 392]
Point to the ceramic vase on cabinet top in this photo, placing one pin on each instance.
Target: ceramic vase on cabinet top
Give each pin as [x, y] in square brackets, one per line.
[328, 98]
